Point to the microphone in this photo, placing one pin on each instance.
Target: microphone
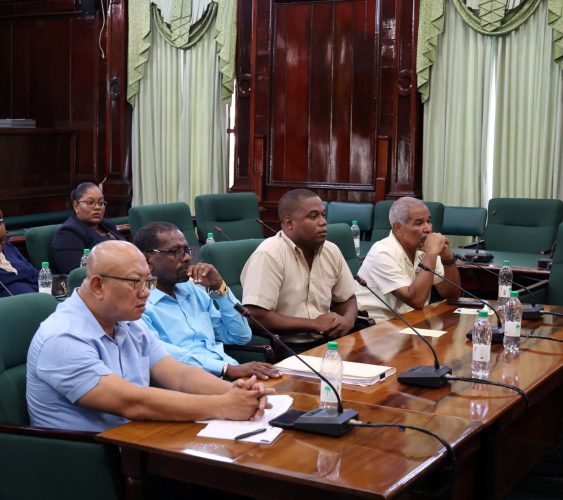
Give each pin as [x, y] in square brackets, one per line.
[420, 376]
[324, 421]
[529, 311]
[269, 228]
[497, 331]
[6, 288]
[219, 230]
[481, 256]
[547, 263]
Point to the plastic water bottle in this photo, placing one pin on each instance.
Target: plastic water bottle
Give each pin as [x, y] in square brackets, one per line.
[512, 323]
[210, 239]
[84, 257]
[482, 336]
[504, 286]
[331, 368]
[356, 234]
[45, 279]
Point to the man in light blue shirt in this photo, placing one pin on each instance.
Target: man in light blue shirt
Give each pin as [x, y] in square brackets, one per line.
[90, 362]
[182, 313]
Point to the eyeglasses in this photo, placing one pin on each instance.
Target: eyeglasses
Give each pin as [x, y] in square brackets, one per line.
[138, 284]
[94, 203]
[176, 252]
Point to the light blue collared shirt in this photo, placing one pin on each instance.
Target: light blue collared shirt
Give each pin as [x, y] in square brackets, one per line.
[68, 355]
[191, 327]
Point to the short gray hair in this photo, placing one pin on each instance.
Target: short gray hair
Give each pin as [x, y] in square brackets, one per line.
[399, 211]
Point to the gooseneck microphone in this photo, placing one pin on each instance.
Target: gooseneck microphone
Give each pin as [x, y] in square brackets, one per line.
[6, 288]
[529, 311]
[219, 229]
[497, 331]
[420, 376]
[482, 256]
[269, 228]
[320, 420]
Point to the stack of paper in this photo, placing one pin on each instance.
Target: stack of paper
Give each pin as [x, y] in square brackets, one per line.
[353, 373]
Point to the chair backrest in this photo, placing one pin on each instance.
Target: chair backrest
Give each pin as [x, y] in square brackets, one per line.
[234, 213]
[75, 278]
[21, 316]
[437, 214]
[464, 221]
[178, 213]
[554, 288]
[522, 224]
[341, 235]
[381, 226]
[229, 257]
[38, 242]
[347, 212]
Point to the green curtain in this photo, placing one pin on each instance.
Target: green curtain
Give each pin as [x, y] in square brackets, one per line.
[455, 118]
[527, 158]
[179, 129]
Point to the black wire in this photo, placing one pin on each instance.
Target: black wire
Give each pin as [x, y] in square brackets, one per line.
[553, 313]
[402, 427]
[490, 382]
[540, 337]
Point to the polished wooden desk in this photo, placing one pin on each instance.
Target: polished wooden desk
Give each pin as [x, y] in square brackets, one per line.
[486, 425]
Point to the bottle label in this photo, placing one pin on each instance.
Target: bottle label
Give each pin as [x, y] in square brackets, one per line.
[481, 352]
[512, 328]
[504, 291]
[46, 289]
[327, 394]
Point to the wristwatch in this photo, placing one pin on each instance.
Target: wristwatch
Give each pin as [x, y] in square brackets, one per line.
[220, 292]
[224, 370]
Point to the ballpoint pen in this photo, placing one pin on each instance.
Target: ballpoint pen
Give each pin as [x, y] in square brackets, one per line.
[249, 434]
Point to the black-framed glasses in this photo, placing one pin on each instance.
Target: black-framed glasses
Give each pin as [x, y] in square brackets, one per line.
[94, 203]
[176, 252]
[139, 284]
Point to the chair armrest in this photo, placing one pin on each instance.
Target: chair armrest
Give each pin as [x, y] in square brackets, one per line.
[28, 430]
[264, 349]
[533, 288]
[362, 322]
[474, 244]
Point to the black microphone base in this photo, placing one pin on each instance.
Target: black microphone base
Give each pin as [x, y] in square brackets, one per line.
[425, 376]
[531, 311]
[326, 421]
[497, 337]
[479, 257]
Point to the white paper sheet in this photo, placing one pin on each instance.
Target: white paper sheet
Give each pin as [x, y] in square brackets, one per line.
[424, 332]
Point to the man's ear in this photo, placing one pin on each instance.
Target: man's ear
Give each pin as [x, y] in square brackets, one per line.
[95, 284]
[149, 257]
[287, 222]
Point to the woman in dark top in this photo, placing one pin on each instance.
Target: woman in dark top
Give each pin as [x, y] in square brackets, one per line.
[85, 229]
[17, 275]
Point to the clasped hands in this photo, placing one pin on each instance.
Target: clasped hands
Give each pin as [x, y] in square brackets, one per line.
[251, 397]
[331, 325]
[206, 275]
[438, 244]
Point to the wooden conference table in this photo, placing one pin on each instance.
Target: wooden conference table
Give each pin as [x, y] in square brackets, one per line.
[496, 441]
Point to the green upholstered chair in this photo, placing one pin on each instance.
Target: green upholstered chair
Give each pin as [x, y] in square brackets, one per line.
[75, 278]
[229, 257]
[37, 243]
[341, 235]
[522, 224]
[380, 226]
[464, 221]
[437, 214]
[347, 212]
[234, 213]
[178, 213]
[42, 463]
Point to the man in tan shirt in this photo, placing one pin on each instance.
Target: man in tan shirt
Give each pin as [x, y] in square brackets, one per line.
[297, 281]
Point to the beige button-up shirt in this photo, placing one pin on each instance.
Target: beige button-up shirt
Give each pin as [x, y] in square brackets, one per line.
[277, 278]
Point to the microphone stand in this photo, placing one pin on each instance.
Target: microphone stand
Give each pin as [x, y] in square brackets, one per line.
[222, 233]
[324, 421]
[497, 331]
[420, 376]
[269, 228]
[7, 290]
[529, 311]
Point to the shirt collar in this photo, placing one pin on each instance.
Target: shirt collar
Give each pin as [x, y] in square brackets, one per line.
[293, 246]
[183, 290]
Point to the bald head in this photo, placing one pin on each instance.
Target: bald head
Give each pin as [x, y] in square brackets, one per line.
[113, 257]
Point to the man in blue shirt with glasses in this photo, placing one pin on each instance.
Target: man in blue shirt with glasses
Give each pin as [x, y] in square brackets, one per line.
[183, 313]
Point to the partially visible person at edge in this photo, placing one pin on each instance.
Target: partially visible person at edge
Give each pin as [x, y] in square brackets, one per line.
[85, 229]
[391, 265]
[90, 362]
[182, 313]
[297, 281]
[17, 275]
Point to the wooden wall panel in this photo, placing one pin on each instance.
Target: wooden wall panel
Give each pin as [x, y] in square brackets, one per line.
[333, 99]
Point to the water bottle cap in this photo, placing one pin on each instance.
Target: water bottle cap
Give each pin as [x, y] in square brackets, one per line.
[44, 264]
[354, 223]
[483, 313]
[505, 263]
[210, 235]
[332, 345]
[86, 251]
[514, 293]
